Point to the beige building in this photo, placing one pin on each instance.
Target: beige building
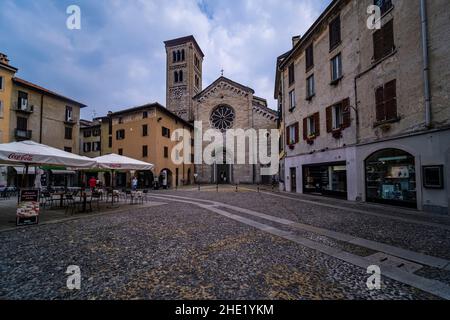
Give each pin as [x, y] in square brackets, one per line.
[145, 133]
[223, 105]
[90, 138]
[31, 112]
[367, 110]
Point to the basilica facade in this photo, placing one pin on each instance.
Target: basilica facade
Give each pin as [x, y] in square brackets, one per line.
[223, 105]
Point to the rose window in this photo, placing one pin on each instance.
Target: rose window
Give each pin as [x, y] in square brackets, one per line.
[222, 118]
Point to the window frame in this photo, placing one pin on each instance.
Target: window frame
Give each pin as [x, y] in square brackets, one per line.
[339, 70]
[335, 32]
[119, 136]
[292, 100]
[309, 57]
[145, 130]
[145, 151]
[66, 131]
[2, 83]
[291, 74]
[310, 84]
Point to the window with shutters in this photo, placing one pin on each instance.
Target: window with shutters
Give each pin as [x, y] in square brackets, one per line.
[385, 5]
[144, 130]
[144, 151]
[311, 127]
[335, 32]
[120, 134]
[68, 133]
[292, 103]
[292, 134]
[386, 102]
[291, 74]
[338, 116]
[310, 87]
[309, 52]
[383, 41]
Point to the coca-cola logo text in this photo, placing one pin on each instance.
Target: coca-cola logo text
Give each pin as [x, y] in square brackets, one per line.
[21, 157]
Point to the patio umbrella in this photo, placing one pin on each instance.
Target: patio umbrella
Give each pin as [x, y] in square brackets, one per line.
[116, 162]
[30, 153]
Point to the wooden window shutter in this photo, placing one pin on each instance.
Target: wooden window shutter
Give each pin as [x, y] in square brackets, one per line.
[378, 45]
[297, 133]
[388, 38]
[379, 101]
[309, 56]
[317, 123]
[329, 112]
[390, 99]
[335, 32]
[305, 129]
[288, 136]
[347, 121]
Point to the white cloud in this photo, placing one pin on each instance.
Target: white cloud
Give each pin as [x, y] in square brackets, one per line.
[118, 58]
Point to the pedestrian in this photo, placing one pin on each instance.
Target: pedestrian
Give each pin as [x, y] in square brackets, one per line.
[134, 184]
[92, 183]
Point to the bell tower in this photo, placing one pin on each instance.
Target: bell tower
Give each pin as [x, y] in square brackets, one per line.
[183, 75]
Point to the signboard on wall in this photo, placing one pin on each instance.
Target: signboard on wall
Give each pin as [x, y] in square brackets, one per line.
[28, 207]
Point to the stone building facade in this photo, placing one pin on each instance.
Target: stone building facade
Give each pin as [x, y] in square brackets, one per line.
[186, 98]
[184, 75]
[376, 136]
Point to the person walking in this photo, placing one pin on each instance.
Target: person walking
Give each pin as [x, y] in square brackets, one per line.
[134, 184]
[92, 183]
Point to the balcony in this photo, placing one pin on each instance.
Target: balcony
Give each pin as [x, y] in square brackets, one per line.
[23, 134]
[25, 109]
[70, 121]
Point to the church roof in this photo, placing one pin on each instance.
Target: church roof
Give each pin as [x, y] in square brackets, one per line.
[224, 79]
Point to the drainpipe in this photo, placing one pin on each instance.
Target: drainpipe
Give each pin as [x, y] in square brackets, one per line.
[426, 63]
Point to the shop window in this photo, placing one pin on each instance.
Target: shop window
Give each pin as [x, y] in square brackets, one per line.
[391, 178]
[433, 177]
[328, 180]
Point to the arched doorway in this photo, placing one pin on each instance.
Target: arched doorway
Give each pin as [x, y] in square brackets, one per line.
[165, 178]
[391, 178]
[145, 179]
[222, 168]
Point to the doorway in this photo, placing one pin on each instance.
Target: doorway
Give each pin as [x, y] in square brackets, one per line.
[326, 179]
[293, 175]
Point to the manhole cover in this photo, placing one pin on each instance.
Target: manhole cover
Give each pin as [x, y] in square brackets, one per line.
[382, 259]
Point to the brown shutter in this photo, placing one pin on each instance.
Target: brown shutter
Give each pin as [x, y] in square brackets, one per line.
[335, 32]
[347, 121]
[305, 129]
[329, 112]
[288, 136]
[317, 123]
[388, 38]
[379, 101]
[390, 99]
[378, 45]
[297, 133]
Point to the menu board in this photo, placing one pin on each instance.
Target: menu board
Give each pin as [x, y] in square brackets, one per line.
[28, 208]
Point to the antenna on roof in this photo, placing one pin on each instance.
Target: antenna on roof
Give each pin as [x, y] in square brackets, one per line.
[221, 71]
[94, 114]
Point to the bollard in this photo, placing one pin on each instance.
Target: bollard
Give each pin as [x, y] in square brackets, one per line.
[217, 188]
[236, 187]
[258, 187]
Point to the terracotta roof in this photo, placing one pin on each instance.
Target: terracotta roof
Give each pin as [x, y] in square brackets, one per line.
[33, 86]
[149, 106]
[222, 78]
[183, 40]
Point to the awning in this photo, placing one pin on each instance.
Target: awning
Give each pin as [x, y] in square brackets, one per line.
[21, 170]
[62, 172]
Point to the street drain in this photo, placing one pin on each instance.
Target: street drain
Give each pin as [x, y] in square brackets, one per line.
[383, 259]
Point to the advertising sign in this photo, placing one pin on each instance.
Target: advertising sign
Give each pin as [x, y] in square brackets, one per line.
[28, 207]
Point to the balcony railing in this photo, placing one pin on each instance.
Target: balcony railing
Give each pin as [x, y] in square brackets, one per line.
[18, 108]
[23, 134]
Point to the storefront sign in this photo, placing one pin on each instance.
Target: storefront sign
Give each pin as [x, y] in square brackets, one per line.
[28, 208]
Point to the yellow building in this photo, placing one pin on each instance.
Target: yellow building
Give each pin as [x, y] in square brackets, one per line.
[144, 133]
[31, 112]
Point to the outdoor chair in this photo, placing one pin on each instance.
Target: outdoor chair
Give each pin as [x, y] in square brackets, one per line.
[47, 199]
[71, 204]
[95, 198]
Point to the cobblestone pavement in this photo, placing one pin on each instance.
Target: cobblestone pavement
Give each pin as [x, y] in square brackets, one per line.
[185, 251]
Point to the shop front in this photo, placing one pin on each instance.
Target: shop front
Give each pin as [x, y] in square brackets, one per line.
[328, 179]
[391, 178]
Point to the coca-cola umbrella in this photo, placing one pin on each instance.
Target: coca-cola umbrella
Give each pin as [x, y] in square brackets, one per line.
[115, 162]
[30, 153]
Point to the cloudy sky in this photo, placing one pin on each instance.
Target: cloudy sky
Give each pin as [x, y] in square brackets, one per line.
[117, 59]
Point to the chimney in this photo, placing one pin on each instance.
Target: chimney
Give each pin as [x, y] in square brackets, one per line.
[4, 58]
[295, 40]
